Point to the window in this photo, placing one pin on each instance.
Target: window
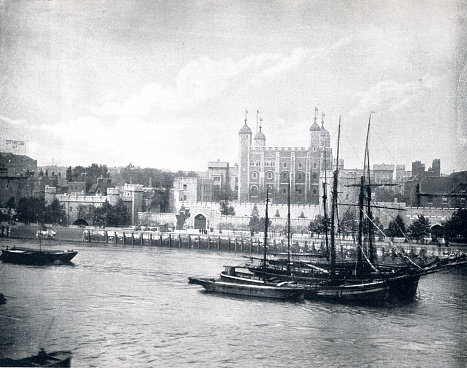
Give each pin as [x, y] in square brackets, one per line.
[315, 176]
[300, 165]
[314, 165]
[285, 164]
[254, 175]
[284, 176]
[270, 175]
[299, 176]
[299, 190]
[284, 191]
[314, 191]
[184, 186]
[258, 163]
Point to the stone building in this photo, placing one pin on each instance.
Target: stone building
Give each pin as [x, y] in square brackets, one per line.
[262, 167]
[192, 189]
[224, 179]
[81, 206]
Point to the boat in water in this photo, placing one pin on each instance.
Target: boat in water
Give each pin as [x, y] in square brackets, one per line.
[42, 359]
[283, 291]
[256, 287]
[35, 257]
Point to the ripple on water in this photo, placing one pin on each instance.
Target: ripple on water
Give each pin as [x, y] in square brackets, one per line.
[133, 306]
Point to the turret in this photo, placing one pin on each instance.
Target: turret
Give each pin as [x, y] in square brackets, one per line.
[325, 138]
[260, 138]
[245, 138]
[314, 132]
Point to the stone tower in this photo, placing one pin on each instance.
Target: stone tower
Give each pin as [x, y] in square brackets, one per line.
[245, 140]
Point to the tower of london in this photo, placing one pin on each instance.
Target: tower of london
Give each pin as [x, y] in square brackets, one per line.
[262, 167]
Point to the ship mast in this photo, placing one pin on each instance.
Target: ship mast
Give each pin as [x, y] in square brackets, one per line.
[368, 195]
[325, 197]
[334, 205]
[265, 234]
[288, 228]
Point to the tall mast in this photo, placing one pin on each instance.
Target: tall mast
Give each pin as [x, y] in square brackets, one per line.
[288, 228]
[361, 199]
[265, 233]
[368, 195]
[325, 197]
[334, 205]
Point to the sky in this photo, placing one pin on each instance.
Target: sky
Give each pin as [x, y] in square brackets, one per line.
[166, 84]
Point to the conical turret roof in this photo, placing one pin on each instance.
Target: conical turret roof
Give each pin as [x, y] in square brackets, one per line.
[245, 129]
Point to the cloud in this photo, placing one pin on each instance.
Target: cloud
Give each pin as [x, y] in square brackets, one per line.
[390, 95]
[200, 80]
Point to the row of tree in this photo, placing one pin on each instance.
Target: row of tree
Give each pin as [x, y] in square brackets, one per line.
[34, 210]
[452, 229]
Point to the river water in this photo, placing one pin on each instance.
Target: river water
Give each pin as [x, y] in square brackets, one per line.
[132, 306]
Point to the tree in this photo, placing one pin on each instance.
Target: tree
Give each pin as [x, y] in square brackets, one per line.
[347, 224]
[226, 210]
[396, 227]
[262, 222]
[101, 215]
[456, 226]
[31, 209]
[419, 228]
[181, 217]
[108, 215]
[254, 220]
[319, 225]
[54, 213]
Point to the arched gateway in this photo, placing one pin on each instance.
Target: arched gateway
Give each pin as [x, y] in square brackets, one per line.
[200, 221]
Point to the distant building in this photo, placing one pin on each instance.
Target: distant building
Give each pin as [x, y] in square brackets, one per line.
[222, 176]
[193, 189]
[441, 191]
[419, 174]
[17, 165]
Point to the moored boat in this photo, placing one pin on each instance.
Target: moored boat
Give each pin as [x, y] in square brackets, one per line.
[284, 290]
[42, 359]
[37, 257]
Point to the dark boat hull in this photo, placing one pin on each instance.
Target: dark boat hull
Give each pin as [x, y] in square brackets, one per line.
[250, 290]
[43, 359]
[35, 257]
[371, 291]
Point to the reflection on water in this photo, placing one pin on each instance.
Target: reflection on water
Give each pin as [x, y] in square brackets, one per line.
[132, 306]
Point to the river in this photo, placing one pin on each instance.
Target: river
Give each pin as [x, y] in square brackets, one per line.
[132, 306]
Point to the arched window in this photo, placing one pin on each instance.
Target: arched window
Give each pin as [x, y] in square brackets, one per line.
[315, 176]
[270, 175]
[300, 165]
[285, 164]
[258, 163]
[254, 175]
[314, 191]
[254, 191]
